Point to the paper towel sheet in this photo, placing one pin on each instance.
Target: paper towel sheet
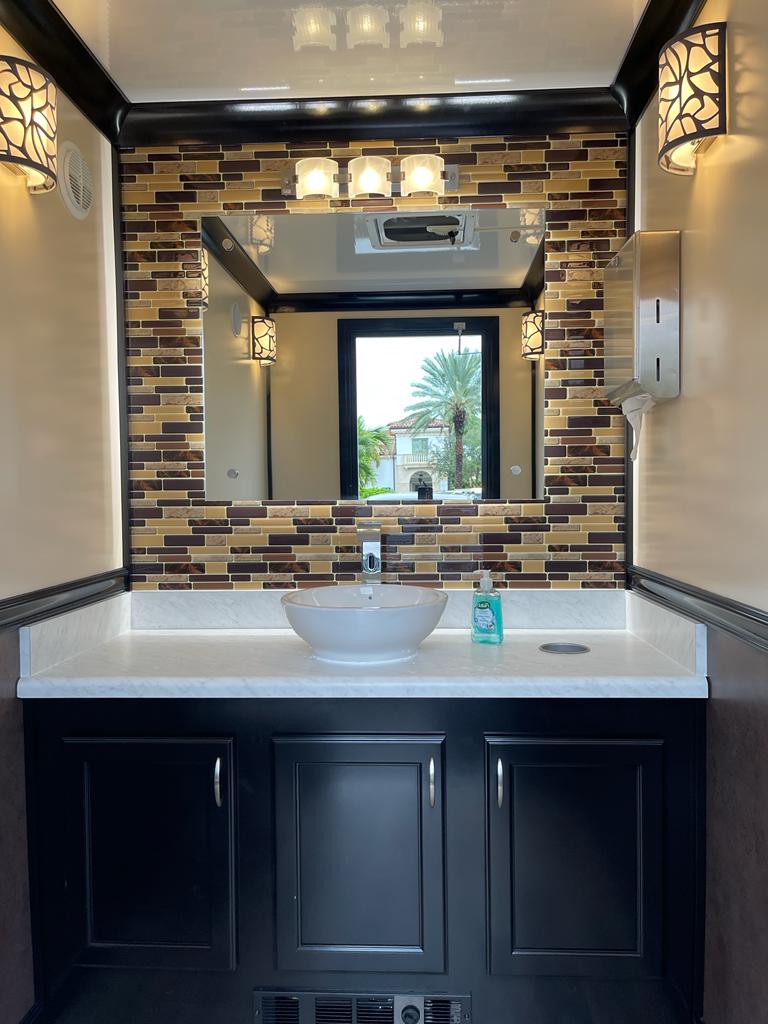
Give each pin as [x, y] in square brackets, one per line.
[634, 409]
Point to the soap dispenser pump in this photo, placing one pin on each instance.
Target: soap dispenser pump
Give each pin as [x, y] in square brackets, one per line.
[487, 624]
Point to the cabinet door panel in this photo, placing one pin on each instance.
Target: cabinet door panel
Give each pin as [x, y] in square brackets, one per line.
[158, 852]
[359, 853]
[575, 857]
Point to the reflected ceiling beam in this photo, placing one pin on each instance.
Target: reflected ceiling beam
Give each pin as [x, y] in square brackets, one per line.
[221, 243]
[533, 285]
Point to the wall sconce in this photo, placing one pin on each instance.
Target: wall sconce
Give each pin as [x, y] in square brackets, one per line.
[370, 175]
[421, 22]
[28, 122]
[533, 334]
[262, 234]
[317, 177]
[692, 96]
[532, 225]
[205, 285]
[314, 26]
[367, 24]
[263, 340]
[423, 175]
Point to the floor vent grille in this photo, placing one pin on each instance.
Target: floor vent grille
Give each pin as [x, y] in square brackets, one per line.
[333, 1010]
[284, 1007]
[280, 1009]
[375, 1010]
[442, 1011]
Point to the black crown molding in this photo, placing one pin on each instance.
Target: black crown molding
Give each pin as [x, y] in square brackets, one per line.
[47, 36]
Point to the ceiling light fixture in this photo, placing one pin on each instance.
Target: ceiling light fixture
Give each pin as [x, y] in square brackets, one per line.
[533, 334]
[692, 96]
[263, 340]
[317, 177]
[28, 122]
[368, 24]
[314, 26]
[423, 175]
[370, 176]
[421, 22]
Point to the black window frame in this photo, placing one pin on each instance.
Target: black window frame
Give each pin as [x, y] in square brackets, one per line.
[351, 329]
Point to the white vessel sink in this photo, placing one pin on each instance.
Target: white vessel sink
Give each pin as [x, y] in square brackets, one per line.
[364, 625]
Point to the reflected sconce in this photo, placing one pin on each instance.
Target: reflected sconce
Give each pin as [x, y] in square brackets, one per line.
[262, 234]
[421, 22]
[28, 122]
[533, 334]
[314, 26]
[692, 96]
[422, 175]
[263, 340]
[532, 225]
[205, 282]
[317, 177]
[370, 176]
[367, 24]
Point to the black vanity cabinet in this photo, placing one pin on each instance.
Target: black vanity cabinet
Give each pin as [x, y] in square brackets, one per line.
[152, 850]
[359, 853]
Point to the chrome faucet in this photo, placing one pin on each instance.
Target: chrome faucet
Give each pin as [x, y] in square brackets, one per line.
[370, 548]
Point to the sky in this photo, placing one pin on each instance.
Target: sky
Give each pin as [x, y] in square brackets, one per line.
[387, 367]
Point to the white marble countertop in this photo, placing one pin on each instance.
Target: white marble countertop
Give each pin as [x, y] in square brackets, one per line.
[272, 663]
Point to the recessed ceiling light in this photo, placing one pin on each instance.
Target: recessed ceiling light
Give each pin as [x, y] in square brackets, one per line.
[264, 88]
[482, 81]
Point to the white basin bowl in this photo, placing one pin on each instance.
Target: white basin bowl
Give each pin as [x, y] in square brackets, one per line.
[364, 625]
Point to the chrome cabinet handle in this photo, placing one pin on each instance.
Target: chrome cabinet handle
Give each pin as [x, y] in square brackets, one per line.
[499, 783]
[217, 781]
[432, 791]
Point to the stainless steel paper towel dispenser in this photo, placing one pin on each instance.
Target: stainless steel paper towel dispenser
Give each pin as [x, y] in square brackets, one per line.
[642, 318]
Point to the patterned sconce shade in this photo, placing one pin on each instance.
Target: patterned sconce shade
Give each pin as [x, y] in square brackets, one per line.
[367, 24]
[205, 287]
[421, 22]
[692, 95]
[263, 340]
[314, 26]
[28, 122]
[533, 334]
[532, 225]
[262, 234]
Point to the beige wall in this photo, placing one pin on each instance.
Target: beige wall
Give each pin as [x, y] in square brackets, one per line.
[701, 479]
[305, 402]
[59, 451]
[235, 396]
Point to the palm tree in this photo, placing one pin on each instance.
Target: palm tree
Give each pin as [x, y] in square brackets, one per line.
[450, 390]
[373, 444]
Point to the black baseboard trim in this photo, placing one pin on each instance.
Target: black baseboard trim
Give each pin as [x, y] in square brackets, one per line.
[741, 620]
[34, 1015]
[65, 597]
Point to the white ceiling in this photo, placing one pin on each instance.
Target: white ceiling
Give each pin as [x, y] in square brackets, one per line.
[315, 252]
[237, 49]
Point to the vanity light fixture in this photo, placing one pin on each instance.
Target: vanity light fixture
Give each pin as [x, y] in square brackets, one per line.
[314, 26]
[533, 334]
[421, 22]
[262, 234]
[370, 176]
[367, 24]
[423, 175]
[317, 177]
[205, 286]
[692, 95]
[263, 340]
[28, 122]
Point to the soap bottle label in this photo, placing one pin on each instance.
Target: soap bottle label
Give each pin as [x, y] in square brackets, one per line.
[483, 617]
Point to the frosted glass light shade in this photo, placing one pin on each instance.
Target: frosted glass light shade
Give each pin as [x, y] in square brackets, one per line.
[205, 285]
[421, 22]
[533, 334]
[422, 175]
[28, 122]
[263, 340]
[314, 26]
[692, 95]
[367, 24]
[317, 178]
[369, 176]
[262, 234]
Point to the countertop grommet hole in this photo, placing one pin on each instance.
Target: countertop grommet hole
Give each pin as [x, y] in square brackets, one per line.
[564, 648]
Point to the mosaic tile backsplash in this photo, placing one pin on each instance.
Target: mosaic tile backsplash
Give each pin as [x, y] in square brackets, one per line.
[571, 538]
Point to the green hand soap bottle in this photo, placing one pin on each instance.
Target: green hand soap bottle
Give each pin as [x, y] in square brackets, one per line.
[487, 624]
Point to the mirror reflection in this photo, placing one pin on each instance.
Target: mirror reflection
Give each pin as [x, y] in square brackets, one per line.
[377, 356]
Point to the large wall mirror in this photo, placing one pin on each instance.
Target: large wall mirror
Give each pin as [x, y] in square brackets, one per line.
[374, 356]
